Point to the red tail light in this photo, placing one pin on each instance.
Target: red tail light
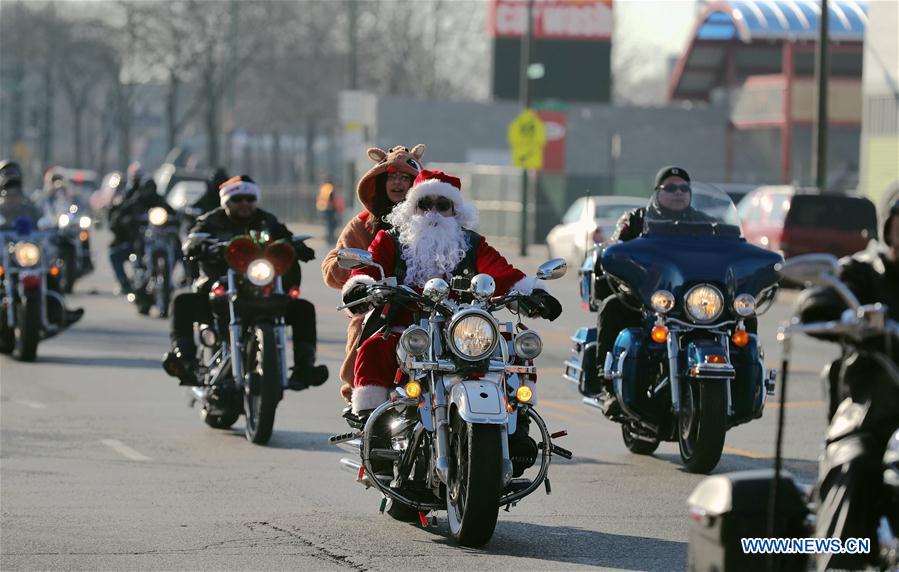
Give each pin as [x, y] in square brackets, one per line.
[281, 255]
[31, 281]
[294, 293]
[241, 251]
[218, 290]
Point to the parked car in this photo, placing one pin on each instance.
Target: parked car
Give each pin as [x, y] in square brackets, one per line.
[588, 221]
[799, 221]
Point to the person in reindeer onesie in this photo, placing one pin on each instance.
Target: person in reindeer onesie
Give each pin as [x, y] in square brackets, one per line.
[382, 187]
[432, 237]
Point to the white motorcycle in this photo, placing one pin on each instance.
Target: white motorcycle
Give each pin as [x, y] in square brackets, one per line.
[455, 436]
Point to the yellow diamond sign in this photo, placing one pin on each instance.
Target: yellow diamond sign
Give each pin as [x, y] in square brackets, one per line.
[527, 137]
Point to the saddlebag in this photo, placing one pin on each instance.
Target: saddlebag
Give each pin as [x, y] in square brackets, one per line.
[581, 368]
[724, 509]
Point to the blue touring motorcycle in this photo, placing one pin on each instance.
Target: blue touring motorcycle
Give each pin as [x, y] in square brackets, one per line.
[694, 368]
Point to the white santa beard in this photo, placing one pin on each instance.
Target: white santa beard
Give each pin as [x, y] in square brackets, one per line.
[433, 245]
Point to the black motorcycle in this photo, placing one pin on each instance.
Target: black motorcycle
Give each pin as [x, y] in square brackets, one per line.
[855, 503]
[74, 246]
[243, 360]
[153, 262]
[31, 308]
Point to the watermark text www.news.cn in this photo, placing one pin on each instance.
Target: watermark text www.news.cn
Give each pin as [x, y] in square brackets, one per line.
[806, 545]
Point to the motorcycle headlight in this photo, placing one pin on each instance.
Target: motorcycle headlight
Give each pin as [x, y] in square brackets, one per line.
[662, 301]
[472, 335]
[27, 254]
[415, 341]
[85, 222]
[158, 216]
[261, 272]
[704, 303]
[744, 305]
[63, 220]
[528, 345]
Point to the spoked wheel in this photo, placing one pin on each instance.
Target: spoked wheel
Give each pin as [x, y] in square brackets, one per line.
[162, 288]
[475, 481]
[637, 444]
[702, 424]
[262, 384]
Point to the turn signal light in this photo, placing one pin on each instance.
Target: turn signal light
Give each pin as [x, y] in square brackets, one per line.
[83, 236]
[740, 338]
[54, 271]
[715, 359]
[2, 271]
[294, 293]
[524, 394]
[413, 389]
[659, 334]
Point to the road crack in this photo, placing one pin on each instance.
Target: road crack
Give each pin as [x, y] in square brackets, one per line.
[319, 552]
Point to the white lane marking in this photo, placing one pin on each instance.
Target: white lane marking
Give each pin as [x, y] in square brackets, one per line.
[31, 404]
[124, 450]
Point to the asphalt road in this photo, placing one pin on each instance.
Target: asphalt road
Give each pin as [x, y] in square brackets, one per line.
[103, 465]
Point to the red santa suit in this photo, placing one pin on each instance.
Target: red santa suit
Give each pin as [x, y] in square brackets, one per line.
[376, 364]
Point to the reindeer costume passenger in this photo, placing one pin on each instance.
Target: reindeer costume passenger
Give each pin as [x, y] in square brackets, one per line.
[382, 187]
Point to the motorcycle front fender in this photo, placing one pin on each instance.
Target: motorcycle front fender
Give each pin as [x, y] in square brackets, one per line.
[479, 401]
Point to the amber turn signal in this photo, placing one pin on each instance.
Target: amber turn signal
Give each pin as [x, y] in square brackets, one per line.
[740, 338]
[413, 389]
[659, 334]
[54, 271]
[524, 394]
[715, 359]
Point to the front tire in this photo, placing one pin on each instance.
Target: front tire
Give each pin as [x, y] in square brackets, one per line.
[27, 330]
[262, 384]
[162, 286]
[475, 481]
[702, 424]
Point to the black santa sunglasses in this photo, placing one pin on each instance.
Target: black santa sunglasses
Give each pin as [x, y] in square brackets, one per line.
[684, 188]
[242, 199]
[442, 204]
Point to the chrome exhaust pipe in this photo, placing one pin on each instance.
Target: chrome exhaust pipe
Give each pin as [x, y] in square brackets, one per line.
[351, 446]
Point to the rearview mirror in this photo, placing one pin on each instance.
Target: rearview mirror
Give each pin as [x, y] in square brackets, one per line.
[809, 269]
[352, 258]
[555, 268]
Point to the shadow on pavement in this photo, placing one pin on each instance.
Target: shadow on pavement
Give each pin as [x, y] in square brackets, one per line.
[299, 440]
[802, 468]
[578, 546]
[143, 363]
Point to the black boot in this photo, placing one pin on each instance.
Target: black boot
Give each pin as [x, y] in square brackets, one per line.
[305, 373]
[180, 362]
[73, 316]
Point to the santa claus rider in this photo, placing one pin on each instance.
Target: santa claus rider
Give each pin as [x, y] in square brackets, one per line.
[432, 237]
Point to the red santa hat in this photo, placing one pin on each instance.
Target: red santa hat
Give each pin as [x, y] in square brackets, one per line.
[436, 184]
[237, 186]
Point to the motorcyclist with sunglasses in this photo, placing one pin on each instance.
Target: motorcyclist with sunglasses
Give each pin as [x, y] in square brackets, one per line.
[237, 216]
[671, 201]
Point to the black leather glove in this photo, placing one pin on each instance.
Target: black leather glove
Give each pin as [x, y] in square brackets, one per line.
[355, 293]
[304, 253]
[543, 304]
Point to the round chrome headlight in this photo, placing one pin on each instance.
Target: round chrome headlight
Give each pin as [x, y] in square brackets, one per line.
[27, 254]
[704, 303]
[84, 222]
[260, 272]
[415, 341]
[662, 301]
[744, 305]
[472, 335]
[63, 220]
[157, 216]
[528, 345]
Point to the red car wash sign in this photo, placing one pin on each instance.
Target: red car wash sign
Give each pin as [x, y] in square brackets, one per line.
[558, 19]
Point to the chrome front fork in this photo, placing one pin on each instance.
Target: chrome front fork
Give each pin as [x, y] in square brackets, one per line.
[673, 377]
[234, 329]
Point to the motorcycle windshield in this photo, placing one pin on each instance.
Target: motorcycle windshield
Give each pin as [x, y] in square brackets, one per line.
[704, 245]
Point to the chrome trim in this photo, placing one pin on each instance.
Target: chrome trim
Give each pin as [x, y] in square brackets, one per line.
[673, 374]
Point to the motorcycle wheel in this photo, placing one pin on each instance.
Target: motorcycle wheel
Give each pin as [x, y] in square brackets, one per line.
[163, 287]
[702, 425]
[636, 445]
[262, 384]
[69, 273]
[27, 330]
[474, 485]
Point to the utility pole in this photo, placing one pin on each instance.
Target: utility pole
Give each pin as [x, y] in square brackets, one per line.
[234, 26]
[353, 14]
[524, 95]
[822, 73]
